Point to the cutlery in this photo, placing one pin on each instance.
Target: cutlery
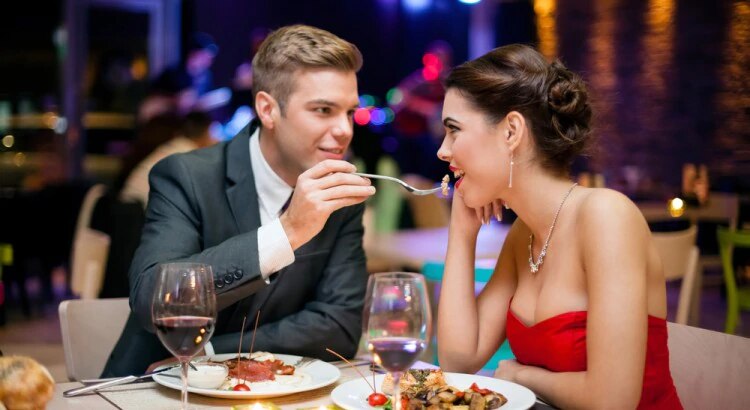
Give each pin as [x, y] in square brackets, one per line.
[115, 382]
[406, 186]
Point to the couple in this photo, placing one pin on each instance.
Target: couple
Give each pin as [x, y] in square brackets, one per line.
[513, 124]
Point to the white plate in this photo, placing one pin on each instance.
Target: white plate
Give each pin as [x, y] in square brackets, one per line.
[316, 374]
[353, 394]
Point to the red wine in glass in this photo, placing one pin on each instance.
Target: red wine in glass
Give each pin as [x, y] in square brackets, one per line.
[397, 354]
[397, 322]
[184, 336]
[184, 311]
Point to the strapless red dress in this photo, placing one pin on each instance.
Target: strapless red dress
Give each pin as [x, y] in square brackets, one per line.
[559, 344]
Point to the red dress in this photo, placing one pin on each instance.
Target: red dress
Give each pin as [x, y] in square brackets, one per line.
[559, 344]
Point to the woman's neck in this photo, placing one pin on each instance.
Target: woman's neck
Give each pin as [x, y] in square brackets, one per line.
[535, 197]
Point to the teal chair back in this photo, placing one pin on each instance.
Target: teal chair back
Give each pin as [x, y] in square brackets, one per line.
[433, 273]
[736, 298]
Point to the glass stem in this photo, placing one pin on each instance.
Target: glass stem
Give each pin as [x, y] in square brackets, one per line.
[184, 373]
[396, 391]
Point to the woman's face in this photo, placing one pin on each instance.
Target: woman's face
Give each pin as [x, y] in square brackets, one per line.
[476, 150]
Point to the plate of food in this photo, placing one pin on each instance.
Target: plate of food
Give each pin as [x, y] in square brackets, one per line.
[424, 388]
[260, 375]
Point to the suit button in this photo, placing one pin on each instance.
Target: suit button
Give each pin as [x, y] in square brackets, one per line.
[218, 283]
[228, 278]
[238, 274]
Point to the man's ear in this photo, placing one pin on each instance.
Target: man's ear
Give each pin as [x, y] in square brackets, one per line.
[266, 108]
[517, 131]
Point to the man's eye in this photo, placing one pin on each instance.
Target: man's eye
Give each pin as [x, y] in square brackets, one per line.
[323, 110]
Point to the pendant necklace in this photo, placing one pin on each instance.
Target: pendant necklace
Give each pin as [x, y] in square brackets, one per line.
[534, 266]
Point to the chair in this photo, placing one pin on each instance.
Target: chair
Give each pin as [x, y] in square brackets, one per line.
[90, 329]
[90, 249]
[737, 298]
[710, 369]
[679, 257]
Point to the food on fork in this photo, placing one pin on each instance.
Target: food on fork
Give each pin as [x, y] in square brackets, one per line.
[444, 184]
[427, 389]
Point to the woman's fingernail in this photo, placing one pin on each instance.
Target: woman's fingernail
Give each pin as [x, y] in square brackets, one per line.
[499, 216]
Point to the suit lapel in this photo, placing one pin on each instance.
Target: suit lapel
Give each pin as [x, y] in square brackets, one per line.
[241, 192]
[243, 200]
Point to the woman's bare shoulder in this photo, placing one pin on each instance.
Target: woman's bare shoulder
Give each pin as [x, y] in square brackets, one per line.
[604, 208]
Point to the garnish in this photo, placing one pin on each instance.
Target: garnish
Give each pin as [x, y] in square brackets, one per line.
[241, 386]
[375, 399]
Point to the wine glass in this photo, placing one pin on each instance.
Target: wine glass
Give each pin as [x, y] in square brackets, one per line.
[184, 311]
[397, 321]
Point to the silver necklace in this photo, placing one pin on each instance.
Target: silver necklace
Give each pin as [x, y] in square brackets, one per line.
[536, 265]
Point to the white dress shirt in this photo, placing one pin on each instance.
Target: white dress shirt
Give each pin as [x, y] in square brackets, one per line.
[274, 250]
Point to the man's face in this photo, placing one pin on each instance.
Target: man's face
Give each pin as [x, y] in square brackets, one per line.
[316, 123]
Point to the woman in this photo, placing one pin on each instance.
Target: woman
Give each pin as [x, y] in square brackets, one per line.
[578, 288]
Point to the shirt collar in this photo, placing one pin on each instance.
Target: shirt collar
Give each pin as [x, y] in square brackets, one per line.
[272, 190]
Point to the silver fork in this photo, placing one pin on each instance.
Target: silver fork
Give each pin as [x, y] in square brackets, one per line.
[304, 361]
[408, 187]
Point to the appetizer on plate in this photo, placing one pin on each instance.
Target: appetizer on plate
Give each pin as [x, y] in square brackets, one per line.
[255, 368]
[428, 389]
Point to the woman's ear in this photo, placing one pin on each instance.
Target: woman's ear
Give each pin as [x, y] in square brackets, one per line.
[266, 109]
[516, 129]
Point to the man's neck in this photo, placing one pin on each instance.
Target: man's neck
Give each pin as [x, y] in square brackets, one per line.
[272, 157]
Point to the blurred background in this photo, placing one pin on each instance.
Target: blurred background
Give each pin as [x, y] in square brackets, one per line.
[92, 89]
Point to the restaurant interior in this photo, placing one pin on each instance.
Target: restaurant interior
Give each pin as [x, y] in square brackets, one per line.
[83, 84]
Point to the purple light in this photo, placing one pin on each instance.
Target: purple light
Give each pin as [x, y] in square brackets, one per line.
[416, 5]
[377, 117]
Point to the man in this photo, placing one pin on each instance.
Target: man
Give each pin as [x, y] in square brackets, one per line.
[303, 267]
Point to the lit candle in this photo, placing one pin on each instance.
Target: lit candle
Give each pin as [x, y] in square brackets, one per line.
[676, 207]
[257, 406]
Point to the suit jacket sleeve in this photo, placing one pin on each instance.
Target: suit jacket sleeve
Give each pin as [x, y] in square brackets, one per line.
[172, 233]
[333, 317]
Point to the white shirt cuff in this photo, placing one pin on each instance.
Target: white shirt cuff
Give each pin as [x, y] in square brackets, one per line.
[274, 250]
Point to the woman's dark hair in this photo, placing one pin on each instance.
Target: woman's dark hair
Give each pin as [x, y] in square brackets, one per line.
[553, 99]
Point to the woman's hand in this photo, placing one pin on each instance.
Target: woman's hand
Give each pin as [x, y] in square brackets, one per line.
[469, 220]
[508, 370]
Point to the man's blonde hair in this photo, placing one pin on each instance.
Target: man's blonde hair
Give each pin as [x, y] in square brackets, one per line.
[296, 47]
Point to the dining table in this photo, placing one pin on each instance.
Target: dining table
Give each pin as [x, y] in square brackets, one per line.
[152, 396]
[412, 248]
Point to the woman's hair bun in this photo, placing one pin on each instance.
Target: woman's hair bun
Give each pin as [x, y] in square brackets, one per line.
[567, 94]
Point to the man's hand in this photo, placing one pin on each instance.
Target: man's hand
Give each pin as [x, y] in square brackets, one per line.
[320, 191]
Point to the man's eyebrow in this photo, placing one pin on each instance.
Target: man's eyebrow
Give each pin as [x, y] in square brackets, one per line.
[322, 101]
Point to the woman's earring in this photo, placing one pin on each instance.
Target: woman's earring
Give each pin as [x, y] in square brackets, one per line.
[510, 178]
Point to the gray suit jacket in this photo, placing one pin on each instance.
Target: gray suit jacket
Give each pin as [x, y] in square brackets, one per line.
[203, 207]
